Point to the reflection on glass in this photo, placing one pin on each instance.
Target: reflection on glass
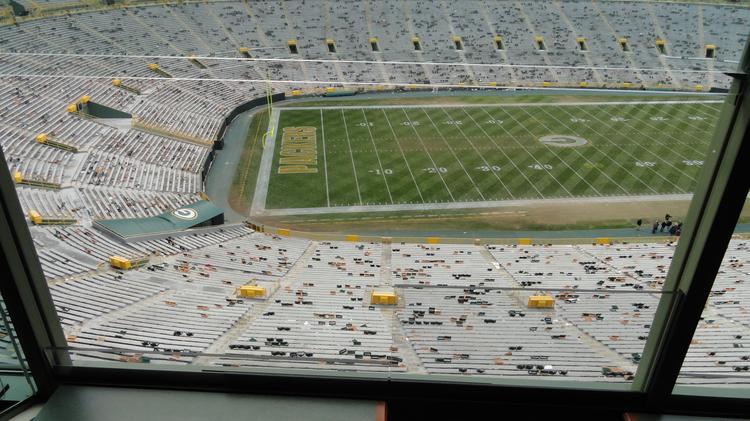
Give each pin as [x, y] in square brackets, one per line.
[719, 354]
[16, 383]
[185, 213]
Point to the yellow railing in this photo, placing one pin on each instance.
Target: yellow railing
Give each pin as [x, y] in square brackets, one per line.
[141, 124]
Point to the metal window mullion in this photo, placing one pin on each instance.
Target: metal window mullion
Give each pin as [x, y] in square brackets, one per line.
[24, 289]
[712, 217]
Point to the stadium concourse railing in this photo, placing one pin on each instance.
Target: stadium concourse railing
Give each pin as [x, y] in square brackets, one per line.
[56, 8]
[373, 238]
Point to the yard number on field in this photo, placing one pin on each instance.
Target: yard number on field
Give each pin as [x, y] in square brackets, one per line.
[488, 168]
[645, 164]
[386, 171]
[435, 170]
[540, 166]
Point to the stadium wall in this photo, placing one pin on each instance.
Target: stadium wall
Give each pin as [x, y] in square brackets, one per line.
[219, 143]
[337, 236]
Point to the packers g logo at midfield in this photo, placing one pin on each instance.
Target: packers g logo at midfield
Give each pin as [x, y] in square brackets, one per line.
[185, 213]
[563, 141]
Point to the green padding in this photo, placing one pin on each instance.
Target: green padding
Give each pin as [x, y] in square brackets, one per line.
[102, 111]
[340, 93]
[179, 219]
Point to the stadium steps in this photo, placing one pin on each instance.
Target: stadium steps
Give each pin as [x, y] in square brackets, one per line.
[233, 334]
[615, 34]
[148, 28]
[120, 313]
[586, 56]
[461, 54]
[329, 34]
[491, 30]
[385, 264]
[533, 31]
[569, 327]
[618, 360]
[290, 25]
[176, 14]
[503, 272]
[409, 20]
[231, 37]
[702, 42]
[400, 341]
[378, 57]
[398, 335]
[660, 34]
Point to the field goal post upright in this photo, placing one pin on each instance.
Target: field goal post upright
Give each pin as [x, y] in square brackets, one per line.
[269, 108]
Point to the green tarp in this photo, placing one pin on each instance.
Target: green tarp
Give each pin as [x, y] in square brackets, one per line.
[188, 216]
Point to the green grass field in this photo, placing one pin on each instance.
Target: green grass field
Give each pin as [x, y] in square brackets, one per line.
[432, 154]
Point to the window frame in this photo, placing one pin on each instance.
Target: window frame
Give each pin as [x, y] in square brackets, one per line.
[712, 216]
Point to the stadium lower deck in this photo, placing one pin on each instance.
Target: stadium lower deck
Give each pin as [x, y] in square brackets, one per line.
[461, 309]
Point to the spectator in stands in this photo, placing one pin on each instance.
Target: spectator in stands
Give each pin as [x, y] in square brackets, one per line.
[655, 226]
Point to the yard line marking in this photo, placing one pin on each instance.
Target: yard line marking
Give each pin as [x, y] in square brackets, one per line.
[516, 104]
[643, 147]
[717, 109]
[434, 165]
[395, 138]
[527, 151]
[549, 148]
[645, 122]
[683, 115]
[478, 153]
[628, 153]
[578, 132]
[714, 113]
[377, 155]
[351, 156]
[503, 152]
[454, 154]
[668, 123]
[325, 163]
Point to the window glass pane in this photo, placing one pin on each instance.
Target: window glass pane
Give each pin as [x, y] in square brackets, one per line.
[16, 383]
[485, 192]
[719, 354]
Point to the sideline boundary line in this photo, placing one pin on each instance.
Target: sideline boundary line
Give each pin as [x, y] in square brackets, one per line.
[472, 205]
[514, 104]
[266, 163]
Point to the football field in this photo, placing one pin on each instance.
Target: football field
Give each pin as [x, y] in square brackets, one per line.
[376, 157]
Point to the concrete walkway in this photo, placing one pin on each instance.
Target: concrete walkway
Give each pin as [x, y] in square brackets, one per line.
[644, 233]
[225, 163]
